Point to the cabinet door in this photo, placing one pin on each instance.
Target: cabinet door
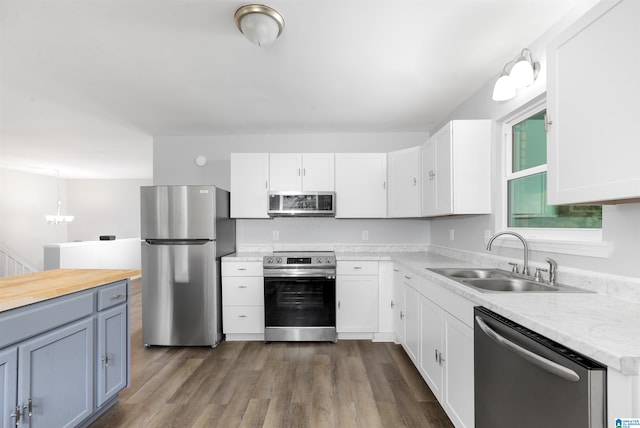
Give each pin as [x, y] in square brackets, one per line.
[8, 386]
[361, 185]
[404, 183]
[411, 335]
[318, 172]
[55, 376]
[285, 171]
[398, 305]
[458, 390]
[592, 149]
[249, 185]
[436, 174]
[428, 171]
[431, 345]
[111, 361]
[443, 177]
[357, 304]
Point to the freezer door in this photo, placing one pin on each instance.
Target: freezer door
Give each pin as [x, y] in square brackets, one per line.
[177, 212]
[181, 294]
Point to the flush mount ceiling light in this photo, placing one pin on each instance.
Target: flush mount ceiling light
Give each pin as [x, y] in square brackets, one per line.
[523, 72]
[259, 23]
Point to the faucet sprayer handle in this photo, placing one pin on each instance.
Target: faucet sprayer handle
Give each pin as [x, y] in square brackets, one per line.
[553, 267]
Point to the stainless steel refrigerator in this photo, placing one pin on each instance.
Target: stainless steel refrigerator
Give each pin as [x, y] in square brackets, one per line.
[185, 231]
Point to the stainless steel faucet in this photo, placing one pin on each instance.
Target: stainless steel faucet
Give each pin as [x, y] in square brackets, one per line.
[525, 269]
[553, 267]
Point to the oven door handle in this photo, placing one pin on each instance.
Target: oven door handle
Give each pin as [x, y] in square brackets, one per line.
[544, 363]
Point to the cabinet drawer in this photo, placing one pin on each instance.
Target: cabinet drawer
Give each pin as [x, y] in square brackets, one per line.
[239, 291]
[242, 268]
[243, 319]
[22, 323]
[357, 268]
[111, 295]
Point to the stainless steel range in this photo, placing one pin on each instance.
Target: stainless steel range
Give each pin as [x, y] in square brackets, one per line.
[300, 296]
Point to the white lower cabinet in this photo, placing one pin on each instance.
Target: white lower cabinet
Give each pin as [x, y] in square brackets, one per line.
[411, 319]
[242, 300]
[431, 345]
[357, 303]
[457, 392]
[436, 332]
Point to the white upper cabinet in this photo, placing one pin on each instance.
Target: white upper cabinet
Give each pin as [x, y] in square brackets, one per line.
[249, 185]
[361, 185]
[404, 183]
[456, 169]
[307, 171]
[592, 106]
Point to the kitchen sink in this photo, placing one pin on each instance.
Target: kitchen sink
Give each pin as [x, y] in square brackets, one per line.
[472, 273]
[488, 280]
[509, 284]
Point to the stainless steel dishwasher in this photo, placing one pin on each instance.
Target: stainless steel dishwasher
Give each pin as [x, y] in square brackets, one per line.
[525, 380]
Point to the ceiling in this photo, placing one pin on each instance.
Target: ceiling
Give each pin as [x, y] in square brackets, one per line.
[85, 85]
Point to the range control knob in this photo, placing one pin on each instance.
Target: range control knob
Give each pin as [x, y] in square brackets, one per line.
[279, 260]
[269, 260]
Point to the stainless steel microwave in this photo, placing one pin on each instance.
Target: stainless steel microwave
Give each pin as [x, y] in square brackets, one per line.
[301, 204]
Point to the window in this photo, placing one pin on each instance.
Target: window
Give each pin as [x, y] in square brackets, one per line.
[526, 184]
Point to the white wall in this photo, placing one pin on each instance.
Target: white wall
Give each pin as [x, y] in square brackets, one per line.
[104, 207]
[25, 198]
[173, 163]
[100, 207]
[621, 224]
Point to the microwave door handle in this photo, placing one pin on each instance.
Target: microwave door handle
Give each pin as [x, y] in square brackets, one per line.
[544, 363]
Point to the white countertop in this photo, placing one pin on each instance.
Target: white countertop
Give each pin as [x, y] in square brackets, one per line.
[599, 326]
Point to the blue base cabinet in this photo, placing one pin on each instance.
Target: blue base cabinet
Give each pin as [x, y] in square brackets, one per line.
[64, 361]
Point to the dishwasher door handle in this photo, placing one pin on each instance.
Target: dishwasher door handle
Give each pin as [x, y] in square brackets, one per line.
[544, 363]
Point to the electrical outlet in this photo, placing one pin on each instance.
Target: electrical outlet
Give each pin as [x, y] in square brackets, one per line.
[365, 235]
[452, 234]
[276, 235]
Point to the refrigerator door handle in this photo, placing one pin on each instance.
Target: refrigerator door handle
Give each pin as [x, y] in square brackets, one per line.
[178, 241]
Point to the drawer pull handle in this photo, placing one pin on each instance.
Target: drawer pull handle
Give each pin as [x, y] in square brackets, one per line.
[242, 286]
[407, 277]
[357, 267]
[242, 316]
[242, 268]
[117, 296]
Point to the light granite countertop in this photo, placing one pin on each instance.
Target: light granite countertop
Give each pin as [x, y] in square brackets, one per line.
[600, 326]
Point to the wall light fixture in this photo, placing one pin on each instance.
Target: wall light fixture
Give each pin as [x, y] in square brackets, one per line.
[516, 74]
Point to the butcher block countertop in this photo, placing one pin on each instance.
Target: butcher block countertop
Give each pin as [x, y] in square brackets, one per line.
[22, 290]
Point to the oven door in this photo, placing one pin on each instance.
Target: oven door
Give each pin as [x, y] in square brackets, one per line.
[300, 308]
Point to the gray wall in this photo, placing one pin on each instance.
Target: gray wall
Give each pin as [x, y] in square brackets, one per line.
[173, 163]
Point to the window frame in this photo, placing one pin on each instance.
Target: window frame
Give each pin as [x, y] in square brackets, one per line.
[575, 241]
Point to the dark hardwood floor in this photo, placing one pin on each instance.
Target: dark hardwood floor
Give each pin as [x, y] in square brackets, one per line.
[253, 384]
